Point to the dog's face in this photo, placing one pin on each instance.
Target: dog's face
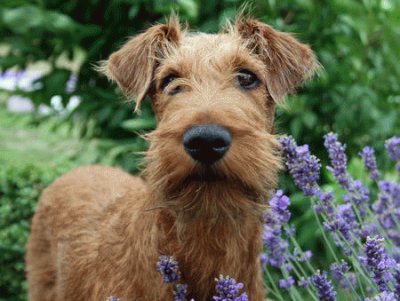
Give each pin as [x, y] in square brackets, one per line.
[214, 96]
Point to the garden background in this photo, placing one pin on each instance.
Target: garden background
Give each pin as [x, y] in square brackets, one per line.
[57, 113]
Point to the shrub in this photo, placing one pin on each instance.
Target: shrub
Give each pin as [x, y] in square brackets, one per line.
[359, 228]
[20, 187]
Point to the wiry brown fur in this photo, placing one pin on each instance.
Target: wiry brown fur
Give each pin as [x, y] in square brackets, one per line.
[99, 231]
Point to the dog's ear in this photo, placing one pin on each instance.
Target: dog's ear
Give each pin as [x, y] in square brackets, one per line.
[289, 63]
[132, 67]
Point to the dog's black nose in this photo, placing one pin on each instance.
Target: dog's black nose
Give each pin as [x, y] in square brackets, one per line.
[207, 143]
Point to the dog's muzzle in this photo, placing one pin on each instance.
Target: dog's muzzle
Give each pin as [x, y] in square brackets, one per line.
[207, 143]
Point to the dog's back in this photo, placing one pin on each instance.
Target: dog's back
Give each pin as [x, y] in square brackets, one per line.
[83, 226]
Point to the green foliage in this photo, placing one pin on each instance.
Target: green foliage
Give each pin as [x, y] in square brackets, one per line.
[356, 95]
[20, 187]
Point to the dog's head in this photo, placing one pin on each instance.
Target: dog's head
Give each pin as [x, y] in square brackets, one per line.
[214, 96]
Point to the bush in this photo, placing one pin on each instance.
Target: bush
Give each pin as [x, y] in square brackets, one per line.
[20, 187]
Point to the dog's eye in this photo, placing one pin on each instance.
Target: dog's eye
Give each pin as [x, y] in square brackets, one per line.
[247, 79]
[167, 80]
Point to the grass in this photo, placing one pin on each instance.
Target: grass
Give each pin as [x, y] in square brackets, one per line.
[26, 138]
[21, 142]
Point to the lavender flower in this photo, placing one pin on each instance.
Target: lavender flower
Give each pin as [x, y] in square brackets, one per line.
[276, 247]
[335, 223]
[383, 296]
[377, 261]
[112, 298]
[279, 204]
[326, 203]
[263, 261]
[228, 290]
[358, 193]
[323, 287]
[393, 147]
[286, 283]
[169, 269]
[301, 257]
[397, 281]
[302, 282]
[387, 209]
[368, 155]
[345, 211]
[368, 229]
[340, 271]
[338, 159]
[303, 166]
[180, 291]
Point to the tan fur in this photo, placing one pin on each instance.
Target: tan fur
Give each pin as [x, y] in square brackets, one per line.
[99, 232]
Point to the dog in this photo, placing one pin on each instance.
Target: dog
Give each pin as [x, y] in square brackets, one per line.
[211, 166]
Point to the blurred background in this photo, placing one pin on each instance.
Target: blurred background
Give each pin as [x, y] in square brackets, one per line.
[57, 113]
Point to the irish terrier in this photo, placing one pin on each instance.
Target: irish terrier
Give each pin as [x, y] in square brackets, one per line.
[211, 166]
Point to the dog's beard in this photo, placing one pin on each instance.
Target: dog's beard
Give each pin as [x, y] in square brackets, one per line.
[243, 178]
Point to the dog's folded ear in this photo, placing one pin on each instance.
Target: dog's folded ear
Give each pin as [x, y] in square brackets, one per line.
[132, 67]
[289, 63]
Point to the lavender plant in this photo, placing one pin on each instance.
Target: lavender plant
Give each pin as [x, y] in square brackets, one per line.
[227, 288]
[361, 232]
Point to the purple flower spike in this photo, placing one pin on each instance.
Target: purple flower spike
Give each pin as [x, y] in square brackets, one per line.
[384, 296]
[387, 206]
[286, 283]
[368, 155]
[303, 282]
[112, 298]
[346, 212]
[340, 271]
[180, 291]
[323, 287]
[377, 261]
[279, 204]
[169, 269]
[303, 166]
[393, 147]
[276, 247]
[228, 290]
[338, 159]
[358, 193]
[336, 223]
[274, 218]
[397, 282]
[263, 261]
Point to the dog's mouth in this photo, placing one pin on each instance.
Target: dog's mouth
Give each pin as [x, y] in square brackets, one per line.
[208, 173]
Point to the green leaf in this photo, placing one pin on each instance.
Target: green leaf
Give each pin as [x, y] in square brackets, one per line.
[189, 8]
[133, 11]
[309, 119]
[138, 124]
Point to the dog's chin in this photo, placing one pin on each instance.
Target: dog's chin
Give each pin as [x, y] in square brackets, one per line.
[205, 174]
[215, 175]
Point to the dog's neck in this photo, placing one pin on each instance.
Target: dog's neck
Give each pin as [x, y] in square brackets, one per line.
[206, 228]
